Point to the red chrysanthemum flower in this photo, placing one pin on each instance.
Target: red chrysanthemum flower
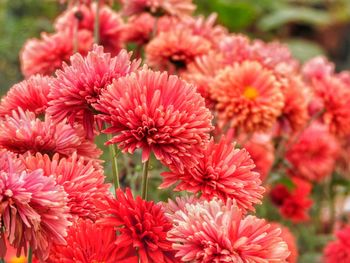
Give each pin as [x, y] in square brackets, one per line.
[289, 238]
[139, 29]
[248, 97]
[224, 172]
[89, 242]
[82, 18]
[142, 227]
[31, 94]
[172, 7]
[212, 231]
[157, 113]
[77, 87]
[23, 132]
[44, 56]
[314, 154]
[318, 68]
[293, 203]
[33, 212]
[338, 251]
[175, 49]
[82, 180]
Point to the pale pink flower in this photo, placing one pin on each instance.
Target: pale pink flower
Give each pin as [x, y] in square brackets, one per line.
[318, 68]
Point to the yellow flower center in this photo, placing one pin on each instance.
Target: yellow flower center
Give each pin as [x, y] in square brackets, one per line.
[15, 259]
[250, 93]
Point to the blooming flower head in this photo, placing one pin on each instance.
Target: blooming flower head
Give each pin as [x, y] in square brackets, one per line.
[89, 242]
[139, 29]
[156, 7]
[10, 162]
[317, 68]
[31, 94]
[224, 172]
[293, 203]
[78, 86]
[83, 18]
[175, 49]
[314, 153]
[82, 180]
[33, 212]
[45, 55]
[157, 113]
[215, 231]
[289, 238]
[248, 97]
[235, 48]
[142, 225]
[22, 132]
[338, 250]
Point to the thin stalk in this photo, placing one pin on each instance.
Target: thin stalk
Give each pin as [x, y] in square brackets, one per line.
[75, 36]
[113, 157]
[332, 210]
[2, 260]
[30, 256]
[144, 180]
[97, 23]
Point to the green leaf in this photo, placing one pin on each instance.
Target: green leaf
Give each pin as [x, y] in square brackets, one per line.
[304, 49]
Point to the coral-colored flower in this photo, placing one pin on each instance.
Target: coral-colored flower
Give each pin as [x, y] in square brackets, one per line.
[317, 68]
[31, 94]
[313, 154]
[83, 19]
[82, 180]
[44, 56]
[235, 48]
[338, 250]
[157, 113]
[142, 225]
[224, 172]
[23, 132]
[214, 231]
[89, 242]
[248, 97]
[33, 212]
[293, 203]
[175, 49]
[289, 238]
[172, 7]
[78, 86]
[139, 29]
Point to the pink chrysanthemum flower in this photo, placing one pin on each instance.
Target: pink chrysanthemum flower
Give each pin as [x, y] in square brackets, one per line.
[10, 162]
[214, 231]
[172, 7]
[224, 172]
[289, 238]
[338, 251]
[157, 113]
[142, 225]
[89, 242]
[139, 29]
[33, 212]
[318, 68]
[23, 132]
[175, 49]
[235, 48]
[83, 18]
[44, 56]
[31, 94]
[248, 97]
[314, 153]
[77, 87]
[82, 180]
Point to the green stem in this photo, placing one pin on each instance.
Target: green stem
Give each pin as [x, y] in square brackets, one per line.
[2, 260]
[30, 256]
[97, 23]
[332, 210]
[144, 180]
[113, 157]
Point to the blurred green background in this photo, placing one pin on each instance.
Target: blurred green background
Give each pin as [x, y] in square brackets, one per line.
[309, 27]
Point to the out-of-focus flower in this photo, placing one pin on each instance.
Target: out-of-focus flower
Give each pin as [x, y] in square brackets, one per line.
[33, 212]
[31, 94]
[338, 250]
[82, 18]
[235, 48]
[293, 203]
[175, 49]
[142, 225]
[45, 55]
[89, 242]
[289, 238]
[224, 172]
[82, 180]
[158, 7]
[157, 113]
[139, 29]
[317, 68]
[313, 154]
[11, 255]
[214, 231]
[22, 132]
[248, 97]
[77, 87]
